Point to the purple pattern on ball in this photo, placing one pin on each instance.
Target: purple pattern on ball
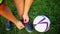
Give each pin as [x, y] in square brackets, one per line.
[40, 22]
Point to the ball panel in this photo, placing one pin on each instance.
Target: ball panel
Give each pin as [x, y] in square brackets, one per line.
[37, 19]
[47, 20]
[41, 27]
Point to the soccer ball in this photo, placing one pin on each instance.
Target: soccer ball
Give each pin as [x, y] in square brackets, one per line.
[41, 23]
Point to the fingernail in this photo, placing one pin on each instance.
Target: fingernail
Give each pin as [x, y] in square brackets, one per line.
[20, 26]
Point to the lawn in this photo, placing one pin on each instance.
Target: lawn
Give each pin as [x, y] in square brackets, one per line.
[50, 8]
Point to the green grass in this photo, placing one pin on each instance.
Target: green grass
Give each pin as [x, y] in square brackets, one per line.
[50, 8]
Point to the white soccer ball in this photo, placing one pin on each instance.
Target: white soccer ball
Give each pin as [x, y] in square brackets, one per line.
[41, 23]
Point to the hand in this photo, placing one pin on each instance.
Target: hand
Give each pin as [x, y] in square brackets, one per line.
[19, 25]
[25, 18]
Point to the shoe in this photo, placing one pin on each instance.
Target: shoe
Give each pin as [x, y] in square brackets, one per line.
[28, 26]
[8, 25]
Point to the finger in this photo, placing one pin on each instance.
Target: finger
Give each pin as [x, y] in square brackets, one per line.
[21, 27]
[25, 21]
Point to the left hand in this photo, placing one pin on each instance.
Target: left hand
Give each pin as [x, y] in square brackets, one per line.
[25, 18]
[19, 25]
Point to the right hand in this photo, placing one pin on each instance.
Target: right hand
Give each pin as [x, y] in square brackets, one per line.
[25, 18]
[19, 25]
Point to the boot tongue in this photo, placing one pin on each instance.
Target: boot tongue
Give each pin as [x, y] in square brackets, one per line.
[26, 24]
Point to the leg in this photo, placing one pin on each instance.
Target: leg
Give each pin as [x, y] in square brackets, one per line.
[23, 8]
[19, 4]
[7, 14]
[28, 4]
